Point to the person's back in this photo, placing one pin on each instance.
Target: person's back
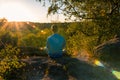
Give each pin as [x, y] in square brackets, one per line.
[55, 44]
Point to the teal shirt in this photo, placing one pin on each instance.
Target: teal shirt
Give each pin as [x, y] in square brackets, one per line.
[55, 45]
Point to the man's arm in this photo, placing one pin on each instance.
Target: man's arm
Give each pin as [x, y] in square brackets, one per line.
[47, 45]
[64, 44]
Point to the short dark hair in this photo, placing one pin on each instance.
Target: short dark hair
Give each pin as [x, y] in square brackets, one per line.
[54, 28]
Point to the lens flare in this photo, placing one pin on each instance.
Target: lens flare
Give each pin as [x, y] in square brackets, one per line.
[98, 63]
[116, 73]
[43, 32]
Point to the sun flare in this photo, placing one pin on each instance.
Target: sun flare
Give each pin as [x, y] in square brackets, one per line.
[15, 11]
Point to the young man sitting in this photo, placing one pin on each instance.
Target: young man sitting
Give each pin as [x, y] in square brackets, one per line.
[55, 43]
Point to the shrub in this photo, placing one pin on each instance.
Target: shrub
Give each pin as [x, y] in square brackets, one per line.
[81, 36]
[9, 60]
[8, 38]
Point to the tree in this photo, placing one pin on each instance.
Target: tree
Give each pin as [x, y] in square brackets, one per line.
[104, 15]
[84, 9]
[2, 21]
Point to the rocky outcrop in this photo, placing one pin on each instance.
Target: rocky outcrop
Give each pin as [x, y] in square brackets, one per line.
[109, 49]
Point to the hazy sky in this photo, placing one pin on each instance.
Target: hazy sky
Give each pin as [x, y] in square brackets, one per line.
[26, 10]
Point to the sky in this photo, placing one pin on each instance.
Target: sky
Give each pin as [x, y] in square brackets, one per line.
[27, 10]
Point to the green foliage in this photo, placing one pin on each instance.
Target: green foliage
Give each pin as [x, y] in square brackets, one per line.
[8, 38]
[36, 40]
[100, 23]
[9, 60]
[73, 40]
[81, 36]
[88, 34]
[2, 21]
[30, 40]
[108, 27]
[87, 9]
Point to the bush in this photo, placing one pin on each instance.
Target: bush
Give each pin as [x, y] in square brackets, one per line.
[7, 38]
[9, 60]
[81, 36]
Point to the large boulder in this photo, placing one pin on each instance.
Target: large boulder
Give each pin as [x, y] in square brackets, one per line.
[109, 49]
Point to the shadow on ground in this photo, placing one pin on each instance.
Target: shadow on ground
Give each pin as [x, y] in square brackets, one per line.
[66, 68]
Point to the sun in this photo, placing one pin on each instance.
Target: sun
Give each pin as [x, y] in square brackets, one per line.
[14, 11]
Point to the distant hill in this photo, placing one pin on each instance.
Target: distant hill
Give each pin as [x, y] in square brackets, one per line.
[23, 26]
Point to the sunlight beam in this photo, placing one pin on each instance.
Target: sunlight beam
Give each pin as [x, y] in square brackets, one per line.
[3, 28]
